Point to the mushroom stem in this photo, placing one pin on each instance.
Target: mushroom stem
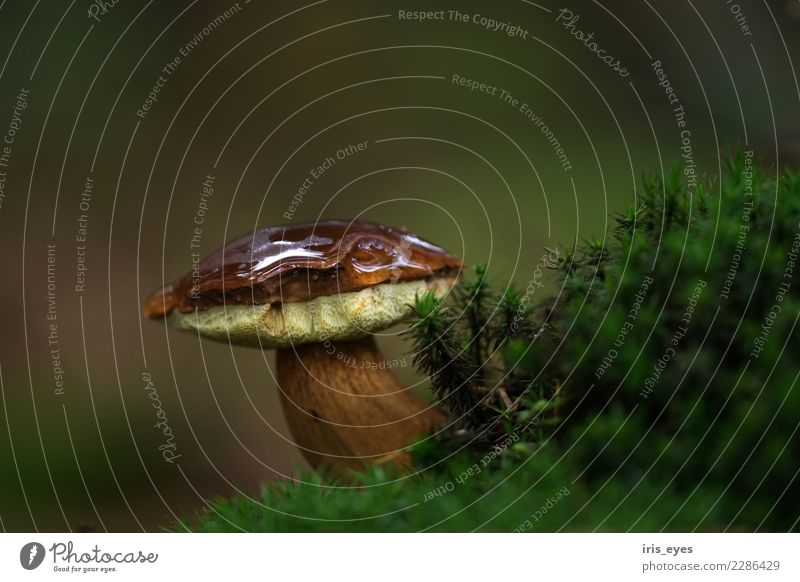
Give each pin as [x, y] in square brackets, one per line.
[345, 408]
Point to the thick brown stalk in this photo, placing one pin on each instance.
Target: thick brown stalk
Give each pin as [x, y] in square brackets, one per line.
[346, 408]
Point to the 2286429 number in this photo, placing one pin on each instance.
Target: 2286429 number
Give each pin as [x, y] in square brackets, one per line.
[755, 565]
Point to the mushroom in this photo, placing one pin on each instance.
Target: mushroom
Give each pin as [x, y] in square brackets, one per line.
[316, 293]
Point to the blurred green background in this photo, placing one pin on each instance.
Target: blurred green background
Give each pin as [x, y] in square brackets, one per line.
[262, 95]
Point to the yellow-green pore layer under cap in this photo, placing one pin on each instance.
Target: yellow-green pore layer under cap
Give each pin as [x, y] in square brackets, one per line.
[344, 316]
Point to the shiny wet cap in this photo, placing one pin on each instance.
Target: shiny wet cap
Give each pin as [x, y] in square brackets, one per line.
[281, 285]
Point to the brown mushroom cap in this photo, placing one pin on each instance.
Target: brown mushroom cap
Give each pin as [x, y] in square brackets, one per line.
[295, 263]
